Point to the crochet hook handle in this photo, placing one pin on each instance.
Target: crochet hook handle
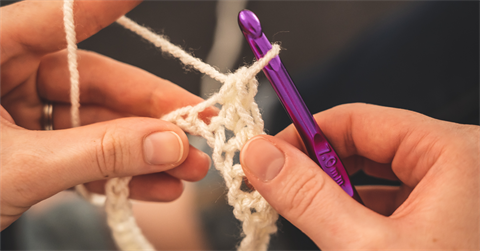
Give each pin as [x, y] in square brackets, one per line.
[317, 145]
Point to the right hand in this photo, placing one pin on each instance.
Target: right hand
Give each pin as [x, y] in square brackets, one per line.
[436, 207]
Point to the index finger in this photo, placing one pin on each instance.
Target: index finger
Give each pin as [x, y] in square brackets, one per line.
[46, 33]
[408, 141]
[114, 85]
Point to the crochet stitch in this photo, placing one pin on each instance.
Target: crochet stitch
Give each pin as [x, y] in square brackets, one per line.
[239, 120]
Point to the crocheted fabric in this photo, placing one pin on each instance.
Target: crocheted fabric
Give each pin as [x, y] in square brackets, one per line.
[239, 120]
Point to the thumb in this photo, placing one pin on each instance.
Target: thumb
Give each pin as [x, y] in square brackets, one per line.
[307, 197]
[61, 159]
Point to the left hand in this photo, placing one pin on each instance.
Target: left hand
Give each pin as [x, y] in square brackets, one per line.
[38, 164]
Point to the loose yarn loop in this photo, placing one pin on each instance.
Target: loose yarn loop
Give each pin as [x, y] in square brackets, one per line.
[239, 120]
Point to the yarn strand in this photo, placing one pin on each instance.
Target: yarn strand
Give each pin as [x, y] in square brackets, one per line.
[163, 43]
[71, 38]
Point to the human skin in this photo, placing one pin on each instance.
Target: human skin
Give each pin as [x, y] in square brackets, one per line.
[119, 136]
[437, 162]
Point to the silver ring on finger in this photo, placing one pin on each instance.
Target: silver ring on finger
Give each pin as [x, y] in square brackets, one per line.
[47, 116]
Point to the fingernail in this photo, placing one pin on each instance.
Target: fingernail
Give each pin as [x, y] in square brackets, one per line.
[162, 148]
[263, 159]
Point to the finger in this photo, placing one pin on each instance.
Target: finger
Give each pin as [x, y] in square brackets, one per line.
[194, 168]
[165, 186]
[307, 197]
[406, 139]
[65, 158]
[115, 85]
[352, 162]
[89, 114]
[160, 187]
[36, 27]
[61, 115]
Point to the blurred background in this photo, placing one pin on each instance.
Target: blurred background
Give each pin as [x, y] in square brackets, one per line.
[421, 56]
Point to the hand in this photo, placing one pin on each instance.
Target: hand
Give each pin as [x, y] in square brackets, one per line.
[436, 207]
[37, 164]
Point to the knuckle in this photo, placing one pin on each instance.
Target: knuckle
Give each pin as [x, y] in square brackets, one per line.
[301, 191]
[109, 153]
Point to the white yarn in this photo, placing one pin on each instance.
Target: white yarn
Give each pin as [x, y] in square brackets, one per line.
[71, 38]
[69, 25]
[125, 231]
[163, 43]
[239, 115]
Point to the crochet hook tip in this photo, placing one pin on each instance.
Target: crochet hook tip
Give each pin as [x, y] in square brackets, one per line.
[250, 24]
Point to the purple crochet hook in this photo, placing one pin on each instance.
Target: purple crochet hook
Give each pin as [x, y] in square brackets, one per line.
[318, 147]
